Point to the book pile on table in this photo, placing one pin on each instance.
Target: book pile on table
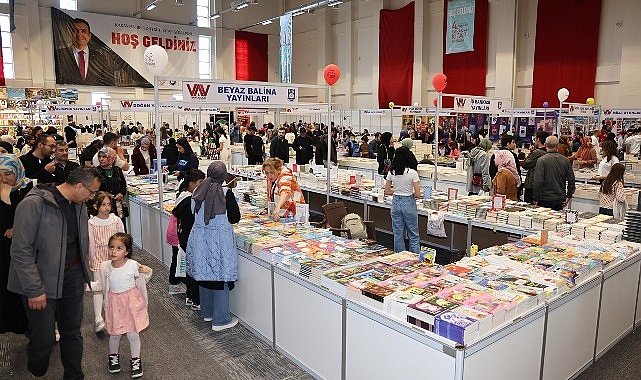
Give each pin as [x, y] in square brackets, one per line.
[632, 231]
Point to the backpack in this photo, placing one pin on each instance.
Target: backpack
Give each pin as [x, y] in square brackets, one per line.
[354, 224]
[356, 149]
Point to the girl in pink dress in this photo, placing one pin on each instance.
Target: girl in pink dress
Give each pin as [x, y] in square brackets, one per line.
[123, 284]
[102, 226]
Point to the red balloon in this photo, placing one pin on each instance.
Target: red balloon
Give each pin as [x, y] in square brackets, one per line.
[439, 81]
[435, 102]
[331, 74]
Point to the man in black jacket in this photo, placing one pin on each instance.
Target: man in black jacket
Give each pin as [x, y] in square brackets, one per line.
[254, 147]
[279, 147]
[63, 165]
[37, 163]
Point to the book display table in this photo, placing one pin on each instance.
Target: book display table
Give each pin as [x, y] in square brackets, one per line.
[335, 336]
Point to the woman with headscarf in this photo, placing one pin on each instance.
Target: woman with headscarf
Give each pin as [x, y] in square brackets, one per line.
[143, 156]
[478, 168]
[113, 181]
[212, 259]
[13, 187]
[385, 153]
[507, 180]
[586, 155]
[186, 159]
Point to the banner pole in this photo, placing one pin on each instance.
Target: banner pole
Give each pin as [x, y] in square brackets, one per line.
[436, 124]
[329, 140]
[158, 161]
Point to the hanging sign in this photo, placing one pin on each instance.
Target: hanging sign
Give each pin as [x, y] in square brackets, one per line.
[418, 111]
[580, 110]
[481, 105]
[63, 109]
[622, 113]
[202, 92]
[144, 105]
[459, 36]
[251, 112]
[524, 112]
[373, 112]
[201, 109]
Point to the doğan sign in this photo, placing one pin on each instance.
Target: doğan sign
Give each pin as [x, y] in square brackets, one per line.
[240, 94]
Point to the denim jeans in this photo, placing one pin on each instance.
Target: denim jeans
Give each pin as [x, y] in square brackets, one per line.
[405, 218]
[214, 304]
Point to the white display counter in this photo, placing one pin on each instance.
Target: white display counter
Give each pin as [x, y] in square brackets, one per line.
[336, 338]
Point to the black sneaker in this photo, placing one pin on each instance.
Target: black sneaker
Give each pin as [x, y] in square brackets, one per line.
[114, 363]
[136, 368]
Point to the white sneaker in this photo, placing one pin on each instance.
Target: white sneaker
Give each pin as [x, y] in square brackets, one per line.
[207, 319]
[188, 302]
[234, 322]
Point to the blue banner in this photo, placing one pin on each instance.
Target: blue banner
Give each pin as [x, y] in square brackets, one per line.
[286, 48]
[459, 36]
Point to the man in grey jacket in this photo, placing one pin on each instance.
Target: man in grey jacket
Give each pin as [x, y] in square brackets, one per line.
[530, 162]
[553, 184]
[49, 267]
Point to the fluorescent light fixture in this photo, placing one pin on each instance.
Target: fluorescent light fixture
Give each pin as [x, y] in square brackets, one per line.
[215, 16]
[241, 6]
[151, 6]
[335, 3]
[266, 22]
[298, 13]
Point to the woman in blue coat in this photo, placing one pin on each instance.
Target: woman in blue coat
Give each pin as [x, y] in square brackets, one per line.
[212, 259]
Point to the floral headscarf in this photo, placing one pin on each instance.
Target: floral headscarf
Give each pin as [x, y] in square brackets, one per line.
[11, 163]
[505, 160]
[111, 155]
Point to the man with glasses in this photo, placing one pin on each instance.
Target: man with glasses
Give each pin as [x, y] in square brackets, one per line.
[49, 267]
[38, 164]
[63, 165]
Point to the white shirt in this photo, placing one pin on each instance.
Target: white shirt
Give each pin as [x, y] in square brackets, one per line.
[225, 142]
[124, 278]
[633, 143]
[77, 57]
[605, 166]
[404, 183]
[145, 155]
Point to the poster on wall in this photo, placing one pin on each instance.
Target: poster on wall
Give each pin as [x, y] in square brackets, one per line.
[286, 48]
[460, 26]
[110, 49]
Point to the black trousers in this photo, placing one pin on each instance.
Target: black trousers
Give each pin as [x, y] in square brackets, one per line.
[528, 195]
[67, 311]
[554, 205]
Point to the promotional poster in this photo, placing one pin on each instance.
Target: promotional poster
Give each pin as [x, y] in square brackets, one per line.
[100, 50]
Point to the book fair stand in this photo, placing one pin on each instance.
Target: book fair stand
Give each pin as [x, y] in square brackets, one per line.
[336, 333]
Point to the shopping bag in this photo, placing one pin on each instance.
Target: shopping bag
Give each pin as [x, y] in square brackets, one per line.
[181, 263]
[435, 224]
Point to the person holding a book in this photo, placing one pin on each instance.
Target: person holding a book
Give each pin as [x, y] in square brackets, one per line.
[282, 188]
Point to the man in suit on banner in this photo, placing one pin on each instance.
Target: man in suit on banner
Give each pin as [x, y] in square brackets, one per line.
[81, 63]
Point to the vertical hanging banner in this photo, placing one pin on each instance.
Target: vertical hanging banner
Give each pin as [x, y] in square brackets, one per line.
[460, 26]
[286, 48]
[110, 49]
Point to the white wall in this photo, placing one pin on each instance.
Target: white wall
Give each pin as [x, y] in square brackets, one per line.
[348, 36]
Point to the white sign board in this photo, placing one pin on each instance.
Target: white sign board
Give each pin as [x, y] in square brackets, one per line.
[580, 110]
[419, 111]
[373, 112]
[473, 104]
[63, 109]
[632, 114]
[203, 92]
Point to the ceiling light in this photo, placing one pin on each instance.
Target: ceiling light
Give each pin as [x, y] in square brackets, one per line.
[266, 22]
[298, 13]
[214, 16]
[241, 6]
[151, 6]
[335, 3]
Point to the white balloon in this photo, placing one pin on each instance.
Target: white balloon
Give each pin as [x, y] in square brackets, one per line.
[155, 58]
[563, 94]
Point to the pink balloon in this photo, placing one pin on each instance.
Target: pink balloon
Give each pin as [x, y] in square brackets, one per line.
[435, 102]
[331, 74]
[439, 81]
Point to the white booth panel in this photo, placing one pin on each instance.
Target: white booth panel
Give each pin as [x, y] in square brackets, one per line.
[308, 326]
[251, 300]
[617, 307]
[166, 247]
[151, 233]
[375, 351]
[515, 356]
[134, 226]
[569, 344]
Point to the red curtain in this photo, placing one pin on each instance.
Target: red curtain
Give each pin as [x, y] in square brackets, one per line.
[2, 79]
[567, 39]
[396, 56]
[466, 71]
[251, 56]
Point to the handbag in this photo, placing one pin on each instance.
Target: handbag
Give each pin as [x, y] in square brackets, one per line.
[181, 263]
[122, 209]
[477, 179]
[619, 208]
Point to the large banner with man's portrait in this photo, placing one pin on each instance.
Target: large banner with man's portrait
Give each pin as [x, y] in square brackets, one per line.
[100, 50]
